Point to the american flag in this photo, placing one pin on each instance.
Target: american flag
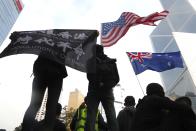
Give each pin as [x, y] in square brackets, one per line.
[111, 32]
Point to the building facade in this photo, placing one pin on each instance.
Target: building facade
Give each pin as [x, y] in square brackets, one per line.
[75, 99]
[42, 111]
[10, 10]
[181, 18]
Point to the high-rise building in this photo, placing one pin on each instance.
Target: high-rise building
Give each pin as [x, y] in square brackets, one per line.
[75, 99]
[181, 18]
[42, 111]
[10, 10]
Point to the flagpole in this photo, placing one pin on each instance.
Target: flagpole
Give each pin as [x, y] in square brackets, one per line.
[140, 85]
[137, 77]
[100, 35]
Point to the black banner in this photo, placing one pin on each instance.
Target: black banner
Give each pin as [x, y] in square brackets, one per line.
[73, 48]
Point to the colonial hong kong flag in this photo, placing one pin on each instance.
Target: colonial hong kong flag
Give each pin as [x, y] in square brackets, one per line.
[159, 62]
[111, 32]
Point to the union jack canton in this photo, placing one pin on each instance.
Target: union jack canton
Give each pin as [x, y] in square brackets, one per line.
[158, 62]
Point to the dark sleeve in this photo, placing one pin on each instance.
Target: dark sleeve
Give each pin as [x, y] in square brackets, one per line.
[161, 102]
[101, 123]
[74, 120]
[94, 79]
[120, 119]
[60, 126]
[63, 127]
[166, 103]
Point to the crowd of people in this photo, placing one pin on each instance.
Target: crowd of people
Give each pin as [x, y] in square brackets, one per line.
[154, 112]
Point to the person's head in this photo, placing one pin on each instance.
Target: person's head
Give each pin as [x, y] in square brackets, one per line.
[129, 101]
[155, 89]
[184, 100]
[99, 50]
[58, 109]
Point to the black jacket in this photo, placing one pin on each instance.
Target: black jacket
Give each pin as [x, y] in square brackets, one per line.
[47, 68]
[151, 111]
[125, 118]
[106, 76]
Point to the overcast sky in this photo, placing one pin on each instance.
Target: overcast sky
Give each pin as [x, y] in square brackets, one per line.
[15, 84]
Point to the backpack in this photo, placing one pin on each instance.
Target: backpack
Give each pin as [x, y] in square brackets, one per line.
[108, 70]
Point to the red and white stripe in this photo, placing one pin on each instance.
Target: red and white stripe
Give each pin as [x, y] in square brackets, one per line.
[150, 19]
[116, 33]
[131, 20]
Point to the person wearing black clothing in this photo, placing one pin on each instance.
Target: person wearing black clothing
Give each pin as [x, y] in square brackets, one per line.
[58, 126]
[126, 115]
[178, 121]
[152, 109]
[100, 90]
[47, 74]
